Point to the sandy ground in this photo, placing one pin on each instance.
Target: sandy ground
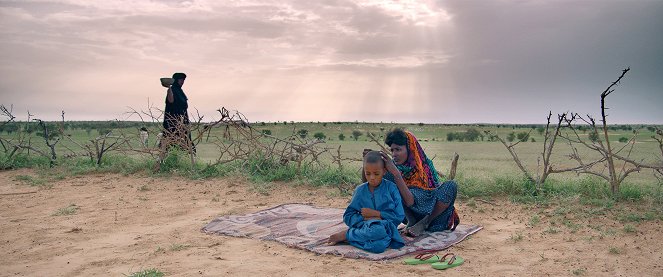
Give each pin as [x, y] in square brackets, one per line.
[120, 228]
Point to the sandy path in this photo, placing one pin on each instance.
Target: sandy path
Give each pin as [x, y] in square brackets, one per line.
[120, 228]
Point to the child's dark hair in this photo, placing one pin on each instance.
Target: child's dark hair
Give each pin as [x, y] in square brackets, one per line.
[373, 157]
[396, 136]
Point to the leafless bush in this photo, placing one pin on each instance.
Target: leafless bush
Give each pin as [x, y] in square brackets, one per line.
[612, 165]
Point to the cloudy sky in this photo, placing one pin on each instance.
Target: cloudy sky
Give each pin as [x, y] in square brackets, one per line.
[456, 61]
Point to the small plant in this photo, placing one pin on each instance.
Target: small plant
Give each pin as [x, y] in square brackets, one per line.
[472, 203]
[266, 132]
[551, 230]
[159, 250]
[69, 210]
[144, 188]
[578, 272]
[614, 251]
[628, 228]
[534, 220]
[518, 236]
[152, 272]
[623, 139]
[179, 247]
[341, 137]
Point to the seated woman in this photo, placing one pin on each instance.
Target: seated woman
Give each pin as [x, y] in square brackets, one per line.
[429, 204]
[375, 211]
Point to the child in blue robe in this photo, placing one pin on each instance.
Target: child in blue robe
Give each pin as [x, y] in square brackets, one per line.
[375, 211]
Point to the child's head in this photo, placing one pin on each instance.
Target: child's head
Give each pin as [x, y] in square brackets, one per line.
[373, 168]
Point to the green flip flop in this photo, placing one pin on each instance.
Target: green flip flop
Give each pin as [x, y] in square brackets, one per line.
[423, 258]
[453, 261]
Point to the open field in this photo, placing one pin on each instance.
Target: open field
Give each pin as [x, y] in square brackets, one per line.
[110, 225]
[480, 161]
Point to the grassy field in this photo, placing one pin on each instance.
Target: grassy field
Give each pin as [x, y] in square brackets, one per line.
[481, 162]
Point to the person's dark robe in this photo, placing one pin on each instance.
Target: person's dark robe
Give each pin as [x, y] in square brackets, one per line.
[177, 112]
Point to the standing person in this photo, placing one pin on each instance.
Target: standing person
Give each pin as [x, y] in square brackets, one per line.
[144, 136]
[176, 117]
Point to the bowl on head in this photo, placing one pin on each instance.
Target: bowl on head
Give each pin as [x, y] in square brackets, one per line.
[167, 82]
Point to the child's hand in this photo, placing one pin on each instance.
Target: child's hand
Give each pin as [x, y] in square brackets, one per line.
[369, 213]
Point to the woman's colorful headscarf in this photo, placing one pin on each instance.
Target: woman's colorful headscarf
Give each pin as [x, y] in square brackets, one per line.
[418, 170]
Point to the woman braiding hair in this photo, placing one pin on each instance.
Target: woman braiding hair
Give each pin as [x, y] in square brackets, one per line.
[428, 202]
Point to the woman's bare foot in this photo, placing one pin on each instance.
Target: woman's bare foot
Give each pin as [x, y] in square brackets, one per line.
[418, 228]
[336, 238]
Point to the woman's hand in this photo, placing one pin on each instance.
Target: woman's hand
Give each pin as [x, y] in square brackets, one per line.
[389, 164]
[368, 213]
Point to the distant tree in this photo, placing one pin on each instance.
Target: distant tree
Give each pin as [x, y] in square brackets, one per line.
[356, 134]
[341, 137]
[523, 136]
[623, 139]
[302, 133]
[511, 136]
[10, 128]
[421, 124]
[472, 135]
[103, 131]
[451, 136]
[594, 136]
[320, 135]
[540, 130]
[532, 140]
[267, 132]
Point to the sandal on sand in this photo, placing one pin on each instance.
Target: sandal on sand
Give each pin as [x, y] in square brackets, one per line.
[453, 261]
[427, 257]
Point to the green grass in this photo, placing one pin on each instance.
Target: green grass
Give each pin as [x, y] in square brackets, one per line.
[485, 168]
[628, 228]
[30, 180]
[152, 272]
[69, 210]
[636, 217]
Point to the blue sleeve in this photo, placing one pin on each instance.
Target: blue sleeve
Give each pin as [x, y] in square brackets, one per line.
[352, 215]
[395, 213]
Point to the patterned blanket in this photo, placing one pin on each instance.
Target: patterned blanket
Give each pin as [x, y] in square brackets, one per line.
[308, 227]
